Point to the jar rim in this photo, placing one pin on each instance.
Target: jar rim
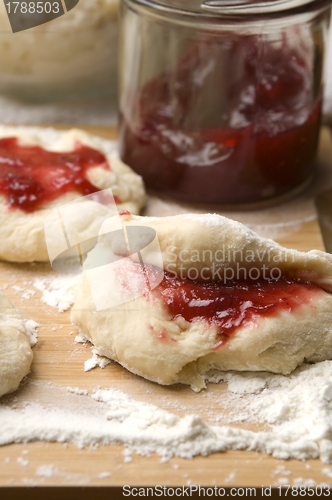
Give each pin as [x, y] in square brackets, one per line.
[217, 9]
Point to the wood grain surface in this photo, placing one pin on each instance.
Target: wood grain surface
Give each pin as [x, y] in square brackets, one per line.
[58, 360]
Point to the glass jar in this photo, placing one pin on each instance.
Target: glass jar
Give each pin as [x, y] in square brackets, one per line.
[221, 101]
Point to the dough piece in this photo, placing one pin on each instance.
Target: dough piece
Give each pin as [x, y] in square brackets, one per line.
[15, 351]
[22, 233]
[146, 337]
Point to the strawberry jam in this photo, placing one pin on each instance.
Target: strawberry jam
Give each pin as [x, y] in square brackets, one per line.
[234, 120]
[229, 307]
[31, 176]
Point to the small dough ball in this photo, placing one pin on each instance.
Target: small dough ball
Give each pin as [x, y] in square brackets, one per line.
[15, 350]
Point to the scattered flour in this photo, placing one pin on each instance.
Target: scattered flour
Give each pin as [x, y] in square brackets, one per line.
[59, 291]
[299, 481]
[327, 472]
[240, 383]
[296, 412]
[46, 471]
[281, 469]
[96, 360]
[22, 461]
[31, 330]
[283, 481]
[80, 338]
[76, 390]
[127, 456]
[104, 475]
[28, 294]
[230, 478]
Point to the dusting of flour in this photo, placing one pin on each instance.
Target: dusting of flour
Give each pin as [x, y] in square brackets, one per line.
[296, 411]
[31, 330]
[95, 361]
[97, 358]
[58, 292]
[46, 471]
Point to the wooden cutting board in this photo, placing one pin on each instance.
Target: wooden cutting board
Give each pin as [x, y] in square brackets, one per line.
[58, 360]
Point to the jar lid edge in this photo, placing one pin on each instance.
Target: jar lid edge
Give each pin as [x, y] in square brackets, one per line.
[218, 8]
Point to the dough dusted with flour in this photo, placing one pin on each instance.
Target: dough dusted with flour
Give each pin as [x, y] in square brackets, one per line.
[22, 234]
[15, 350]
[142, 335]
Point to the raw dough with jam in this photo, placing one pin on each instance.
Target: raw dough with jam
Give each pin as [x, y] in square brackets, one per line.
[38, 174]
[211, 310]
[15, 351]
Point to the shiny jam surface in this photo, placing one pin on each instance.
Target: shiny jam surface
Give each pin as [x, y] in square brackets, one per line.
[31, 176]
[232, 122]
[229, 307]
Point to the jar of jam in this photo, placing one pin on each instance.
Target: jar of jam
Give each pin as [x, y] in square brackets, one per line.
[221, 101]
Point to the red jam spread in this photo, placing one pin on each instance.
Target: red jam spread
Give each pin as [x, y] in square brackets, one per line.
[236, 120]
[229, 307]
[31, 176]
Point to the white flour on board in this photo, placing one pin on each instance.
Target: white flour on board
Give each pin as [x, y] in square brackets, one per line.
[97, 358]
[31, 329]
[46, 471]
[296, 411]
[59, 291]
[95, 361]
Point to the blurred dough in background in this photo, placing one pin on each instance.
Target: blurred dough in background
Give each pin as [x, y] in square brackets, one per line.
[328, 82]
[75, 54]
